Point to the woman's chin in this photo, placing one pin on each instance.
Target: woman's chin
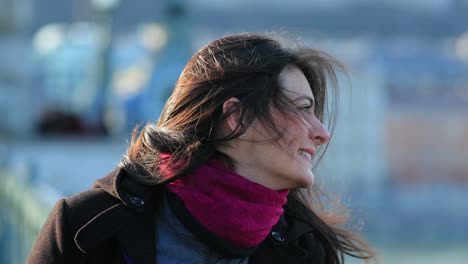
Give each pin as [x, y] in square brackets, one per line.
[305, 182]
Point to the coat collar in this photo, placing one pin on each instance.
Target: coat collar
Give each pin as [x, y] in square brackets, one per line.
[287, 230]
[131, 218]
[131, 193]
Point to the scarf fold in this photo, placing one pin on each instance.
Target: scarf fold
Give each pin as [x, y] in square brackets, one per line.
[227, 204]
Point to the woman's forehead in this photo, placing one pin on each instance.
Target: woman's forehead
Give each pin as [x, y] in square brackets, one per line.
[294, 83]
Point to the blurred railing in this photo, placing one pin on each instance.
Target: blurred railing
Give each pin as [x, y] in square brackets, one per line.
[24, 207]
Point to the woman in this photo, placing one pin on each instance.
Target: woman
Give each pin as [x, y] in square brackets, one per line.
[224, 175]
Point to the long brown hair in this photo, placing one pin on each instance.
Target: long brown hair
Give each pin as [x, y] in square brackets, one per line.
[245, 66]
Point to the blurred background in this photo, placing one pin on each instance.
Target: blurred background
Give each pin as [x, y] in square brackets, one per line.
[76, 76]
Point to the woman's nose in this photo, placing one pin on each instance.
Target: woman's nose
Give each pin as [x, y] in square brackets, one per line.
[318, 132]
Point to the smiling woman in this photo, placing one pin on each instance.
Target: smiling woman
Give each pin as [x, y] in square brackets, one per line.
[226, 174]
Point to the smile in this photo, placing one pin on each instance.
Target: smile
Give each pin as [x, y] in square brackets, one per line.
[305, 154]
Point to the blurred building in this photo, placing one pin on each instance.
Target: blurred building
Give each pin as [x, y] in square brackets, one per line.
[427, 128]
[355, 160]
[15, 16]
[427, 146]
[15, 68]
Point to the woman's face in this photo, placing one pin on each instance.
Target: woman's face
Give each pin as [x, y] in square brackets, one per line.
[287, 164]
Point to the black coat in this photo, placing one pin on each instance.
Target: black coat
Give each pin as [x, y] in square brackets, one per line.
[118, 214]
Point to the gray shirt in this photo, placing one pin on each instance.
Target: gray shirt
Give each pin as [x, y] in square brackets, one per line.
[176, 244]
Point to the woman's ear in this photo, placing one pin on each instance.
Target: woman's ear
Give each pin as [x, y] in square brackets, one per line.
[232, 111]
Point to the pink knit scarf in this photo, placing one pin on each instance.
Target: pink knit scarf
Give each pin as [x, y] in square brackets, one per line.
[229, 205]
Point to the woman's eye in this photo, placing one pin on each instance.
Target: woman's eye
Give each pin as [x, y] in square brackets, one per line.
[306, 107]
